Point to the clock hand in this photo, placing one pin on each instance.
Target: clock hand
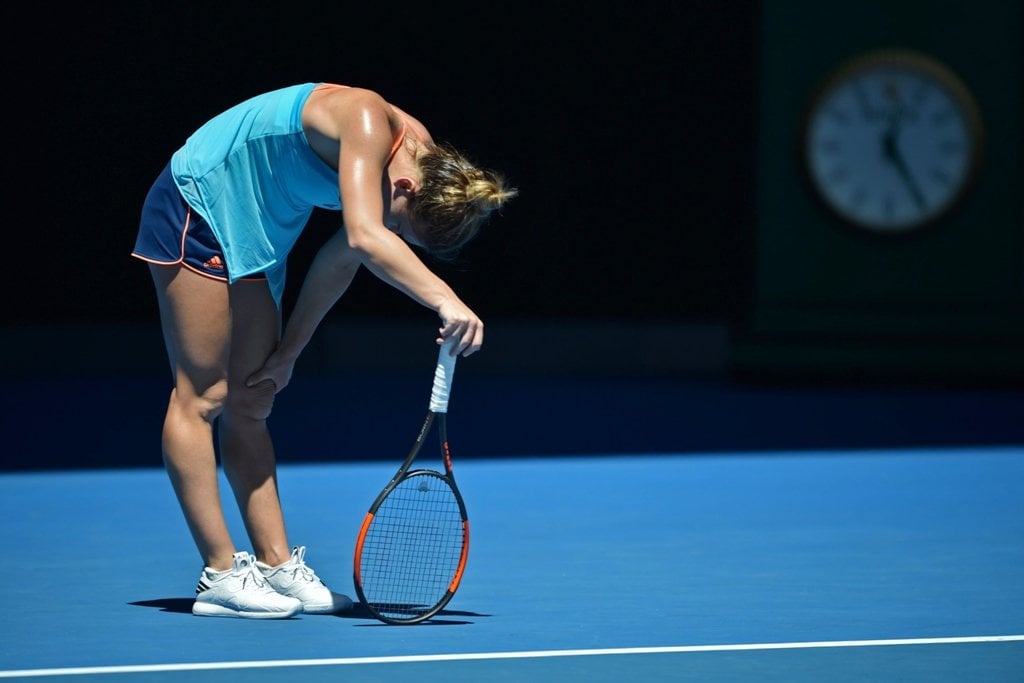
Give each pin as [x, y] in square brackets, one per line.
[891, 153]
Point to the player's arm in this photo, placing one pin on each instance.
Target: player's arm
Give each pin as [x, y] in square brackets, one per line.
[329, 276]
[366, 129]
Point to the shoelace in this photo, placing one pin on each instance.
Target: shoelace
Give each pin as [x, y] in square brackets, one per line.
[253, 573]
[301, 570]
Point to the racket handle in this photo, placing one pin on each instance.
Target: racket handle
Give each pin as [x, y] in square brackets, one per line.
[443, 378]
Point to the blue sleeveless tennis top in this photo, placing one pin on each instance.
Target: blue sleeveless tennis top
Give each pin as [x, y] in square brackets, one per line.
[251, 173]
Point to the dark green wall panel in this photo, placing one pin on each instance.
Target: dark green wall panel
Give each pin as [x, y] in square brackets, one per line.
[829, 295]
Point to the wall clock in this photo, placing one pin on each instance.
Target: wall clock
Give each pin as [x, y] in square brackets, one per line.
[892, 141]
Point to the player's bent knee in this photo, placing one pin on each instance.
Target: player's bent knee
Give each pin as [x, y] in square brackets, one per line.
[252, 403]
[207, 404]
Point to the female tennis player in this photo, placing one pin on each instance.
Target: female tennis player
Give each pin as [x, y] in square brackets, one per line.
[216, 229]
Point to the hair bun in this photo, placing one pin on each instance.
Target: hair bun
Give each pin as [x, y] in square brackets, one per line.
[454, 199]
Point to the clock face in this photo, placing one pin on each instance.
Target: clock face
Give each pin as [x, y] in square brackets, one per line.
[892, 141]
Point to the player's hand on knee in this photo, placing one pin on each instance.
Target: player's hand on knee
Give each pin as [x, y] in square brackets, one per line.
[257, 400]
[278, 371]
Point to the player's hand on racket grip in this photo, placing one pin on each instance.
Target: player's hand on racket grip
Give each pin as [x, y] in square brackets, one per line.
[462, 326]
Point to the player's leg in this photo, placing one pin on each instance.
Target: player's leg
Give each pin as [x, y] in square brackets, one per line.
[247, 451]
[195, 318]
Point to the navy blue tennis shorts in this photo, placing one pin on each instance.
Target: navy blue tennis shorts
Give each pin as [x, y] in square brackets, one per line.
[171, 233]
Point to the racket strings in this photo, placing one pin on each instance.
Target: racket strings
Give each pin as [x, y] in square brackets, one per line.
[413, 547]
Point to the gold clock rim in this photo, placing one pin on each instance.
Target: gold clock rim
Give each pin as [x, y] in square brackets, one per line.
[927, 65]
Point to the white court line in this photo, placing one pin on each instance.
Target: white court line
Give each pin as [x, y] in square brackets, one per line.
[210, 666]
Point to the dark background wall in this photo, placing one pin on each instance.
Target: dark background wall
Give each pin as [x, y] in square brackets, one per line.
[653, 144]
[649, 267]
[605, 118]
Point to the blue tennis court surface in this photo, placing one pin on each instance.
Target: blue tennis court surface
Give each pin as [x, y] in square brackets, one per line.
[841, 565]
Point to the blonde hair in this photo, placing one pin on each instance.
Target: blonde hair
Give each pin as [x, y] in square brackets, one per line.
[454, 200]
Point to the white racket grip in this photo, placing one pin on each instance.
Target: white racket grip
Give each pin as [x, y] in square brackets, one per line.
[443, 378]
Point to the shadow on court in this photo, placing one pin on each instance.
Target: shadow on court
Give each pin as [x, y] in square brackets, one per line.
[358, 611]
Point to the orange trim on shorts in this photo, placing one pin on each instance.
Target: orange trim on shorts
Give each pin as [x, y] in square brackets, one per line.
[181, 259]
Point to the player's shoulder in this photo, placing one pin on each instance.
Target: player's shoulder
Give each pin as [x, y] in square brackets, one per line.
[350, 97]
[332, 109]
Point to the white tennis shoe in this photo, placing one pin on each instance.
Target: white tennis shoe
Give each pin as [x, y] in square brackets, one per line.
[296, 579]
[241, 592]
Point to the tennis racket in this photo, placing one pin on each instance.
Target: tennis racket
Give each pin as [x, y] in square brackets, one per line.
[412, 547]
